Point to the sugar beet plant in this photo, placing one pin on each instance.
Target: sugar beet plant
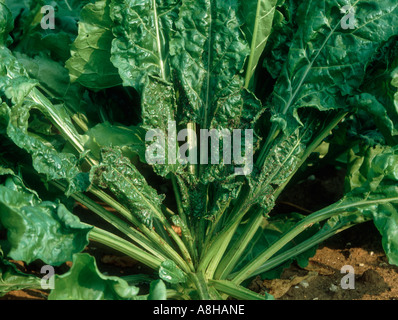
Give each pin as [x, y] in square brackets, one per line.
[176, 125]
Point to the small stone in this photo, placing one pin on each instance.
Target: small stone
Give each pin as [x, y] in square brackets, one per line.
[372, 277]
[315, 299]
[361, 265]
[372, 253]
[304, 284]
[333, 287]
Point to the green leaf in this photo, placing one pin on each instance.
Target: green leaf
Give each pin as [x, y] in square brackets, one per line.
[141, 53]
[45, 150]
[85, 282]
[373, 186]
[235, 107]
[46, 159]
[377, 111]
[332, 226]
[279, 165]
[269, 233]
[378, 92]
[56, 44]
[15, 182]
[170, 273]
[283, 30]
[5, 171]
[326, 62]
[16, 7]
[105, 135]
[70, 8]
[14, 80]
[258, 16]
[30, 223]
[237, 291]
[157, 290]
[117, 173]
[90, 63]
[207, 51]
[53, 77]
[28, 34]
[372, 193]
[12, 279]
[6, 24]
[142, 35]
[158, 111]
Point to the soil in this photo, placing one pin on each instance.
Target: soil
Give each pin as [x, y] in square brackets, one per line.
[323, 279]
[358, 247]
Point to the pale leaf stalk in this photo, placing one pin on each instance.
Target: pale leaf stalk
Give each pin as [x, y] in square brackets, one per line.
[324, 214]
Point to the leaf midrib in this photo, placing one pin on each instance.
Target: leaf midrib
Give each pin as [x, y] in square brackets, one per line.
[148, 203]
[208, 71]
[309, 67]
[254, 46]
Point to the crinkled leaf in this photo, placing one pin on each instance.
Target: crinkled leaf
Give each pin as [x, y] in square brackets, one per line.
[85, 282]
[378, 92]
[223, 193]
[142, 35]
[159, 115]
[15, 182]
[282, 34]
[235, 107]
[281, 161]
[117, 173]
[170, 273]
[377, 111]
[14, 80]
[207, 51]
[30, 223]
[372, 185]
[326, 62]
[46, 159]
[141, 53]
[17, 89]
